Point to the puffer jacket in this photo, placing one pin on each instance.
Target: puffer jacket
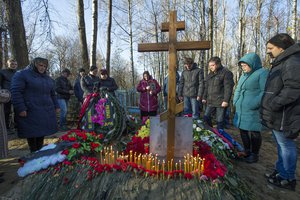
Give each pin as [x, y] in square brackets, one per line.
[218, 87]
[248, 94]
[148, 102]
[280, 107]
[191, 82]
[34, 92]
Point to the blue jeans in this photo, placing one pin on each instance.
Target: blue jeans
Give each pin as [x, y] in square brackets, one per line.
[63, 105]
[191, 105]
[220, 114]
[287, 156]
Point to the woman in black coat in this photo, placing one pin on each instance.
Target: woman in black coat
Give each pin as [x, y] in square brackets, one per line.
[35, 103]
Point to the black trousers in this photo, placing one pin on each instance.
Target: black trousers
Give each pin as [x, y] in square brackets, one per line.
[146, 114]
[7, 111]
[251, 140]
[35, 144]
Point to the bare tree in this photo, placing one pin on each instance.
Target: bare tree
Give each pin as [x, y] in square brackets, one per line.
[294, 20]
[223, 29]
[94, 32]
[257, 27]
[131, 40]
[16, 30]
[211, 26]
[82, 34]
[241, 44]
[108, 42]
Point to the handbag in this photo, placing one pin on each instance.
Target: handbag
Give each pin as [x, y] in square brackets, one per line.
[5, 95]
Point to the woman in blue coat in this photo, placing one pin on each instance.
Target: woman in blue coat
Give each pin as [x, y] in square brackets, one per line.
[247, 98]
[35, 104]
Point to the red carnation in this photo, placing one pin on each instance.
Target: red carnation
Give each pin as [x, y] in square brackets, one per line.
[65, 152]
[72, 139]
[64, 137]
[66, 162]
[188, 176]
[100, 136]
[94, 145]
[76, 145]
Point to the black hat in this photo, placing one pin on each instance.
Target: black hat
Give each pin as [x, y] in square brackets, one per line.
[93, 67]
[66, 71]
[81, 70]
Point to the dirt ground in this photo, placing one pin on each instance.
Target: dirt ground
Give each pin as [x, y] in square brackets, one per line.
[252, 173]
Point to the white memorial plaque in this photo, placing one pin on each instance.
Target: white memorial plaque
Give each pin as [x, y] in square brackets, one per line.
[183, 137]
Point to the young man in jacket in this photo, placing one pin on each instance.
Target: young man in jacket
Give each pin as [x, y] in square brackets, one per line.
[218, 90]
[280, 107]
[191, 87]
[64, 90]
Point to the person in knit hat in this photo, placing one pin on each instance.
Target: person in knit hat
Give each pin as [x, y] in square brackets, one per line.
[90, 83]
[107, 83]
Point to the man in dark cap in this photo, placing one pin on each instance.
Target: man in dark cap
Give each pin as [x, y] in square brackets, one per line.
[90, 82]
[63, 90]
[77, 87]
[107, 83]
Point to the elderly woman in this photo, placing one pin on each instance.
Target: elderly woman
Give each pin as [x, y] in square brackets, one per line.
[247, 98]
[35, 103]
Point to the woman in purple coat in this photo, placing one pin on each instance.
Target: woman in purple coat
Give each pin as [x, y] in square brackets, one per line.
[35, 104]
[149, 88]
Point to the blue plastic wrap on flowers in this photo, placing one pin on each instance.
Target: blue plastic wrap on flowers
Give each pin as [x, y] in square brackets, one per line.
[230, 139]
[40, 163]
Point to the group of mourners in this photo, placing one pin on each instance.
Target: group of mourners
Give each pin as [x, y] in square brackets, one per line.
[36, 98]
[263, 99]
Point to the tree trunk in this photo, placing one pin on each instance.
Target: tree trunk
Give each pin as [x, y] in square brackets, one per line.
[294, 20]
[257, 27]
[93, 58]
[131, 41]
[82, 35]
[18, 46]
[108, 43]
[211, 26]
[1, 49]
[223, 30]
[203, 35]
[5, 47]
[241, 44]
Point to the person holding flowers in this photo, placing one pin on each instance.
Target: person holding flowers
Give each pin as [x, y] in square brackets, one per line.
[149, 89]
[247, 98]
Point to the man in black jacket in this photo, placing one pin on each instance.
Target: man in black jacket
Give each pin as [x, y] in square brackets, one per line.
[107, 83]
[217, 93]
[64, 90]
[280, 107]
[5, 83]
[191, 87]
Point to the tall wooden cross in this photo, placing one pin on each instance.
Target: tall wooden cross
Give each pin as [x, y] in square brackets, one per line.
[172, 46]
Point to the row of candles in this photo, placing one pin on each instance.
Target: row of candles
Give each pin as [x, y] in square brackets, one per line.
[151, 162]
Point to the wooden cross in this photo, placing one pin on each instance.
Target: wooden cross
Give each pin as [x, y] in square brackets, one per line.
[172, 46]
